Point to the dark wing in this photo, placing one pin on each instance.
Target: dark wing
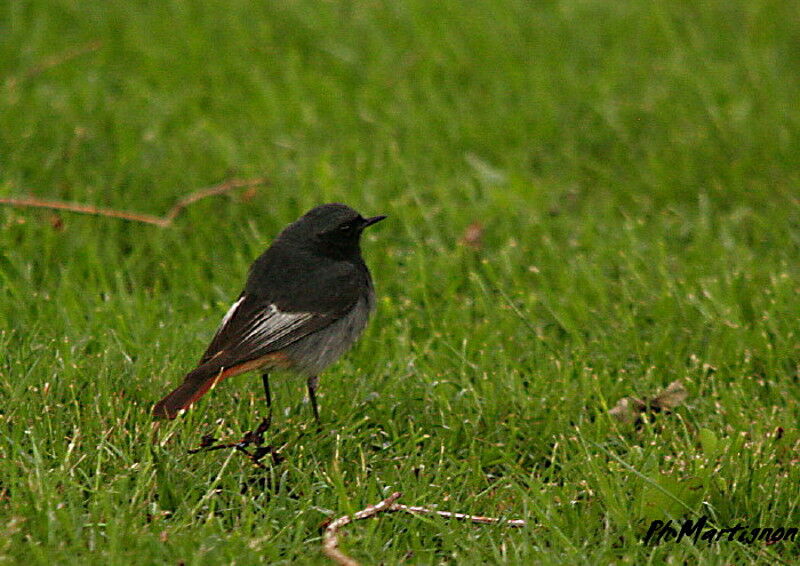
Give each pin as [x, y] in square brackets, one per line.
[253, 328]
[259, 324]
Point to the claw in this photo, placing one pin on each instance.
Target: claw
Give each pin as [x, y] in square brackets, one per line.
[251, 437]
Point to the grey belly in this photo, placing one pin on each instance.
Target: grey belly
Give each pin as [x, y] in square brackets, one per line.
[317, 351]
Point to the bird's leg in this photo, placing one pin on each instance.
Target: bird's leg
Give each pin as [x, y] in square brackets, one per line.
[265, 381]
[251, 437]
[312, 396]
[256, 437]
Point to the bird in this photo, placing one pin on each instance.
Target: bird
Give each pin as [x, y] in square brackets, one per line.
[306, 300]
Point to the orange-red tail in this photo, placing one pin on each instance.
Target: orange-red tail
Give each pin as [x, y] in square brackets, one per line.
[195, 385]
[198, 381]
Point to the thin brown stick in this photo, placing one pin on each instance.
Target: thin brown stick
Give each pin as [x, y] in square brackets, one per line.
[415, 510]
[161, 221]
[330, 540]
[224, 187]
[61, 58]
[85, 209]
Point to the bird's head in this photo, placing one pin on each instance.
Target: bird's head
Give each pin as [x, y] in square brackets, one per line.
[331, 229]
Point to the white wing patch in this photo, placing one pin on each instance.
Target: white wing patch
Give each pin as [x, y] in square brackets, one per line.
[271, 324]
[230, 312]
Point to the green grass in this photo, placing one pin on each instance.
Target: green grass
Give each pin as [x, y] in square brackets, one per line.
[634, 166]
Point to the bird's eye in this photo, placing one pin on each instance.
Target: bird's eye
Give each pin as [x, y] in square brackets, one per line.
[345, 228]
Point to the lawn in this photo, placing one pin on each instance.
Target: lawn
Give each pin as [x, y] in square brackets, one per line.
[587, 201]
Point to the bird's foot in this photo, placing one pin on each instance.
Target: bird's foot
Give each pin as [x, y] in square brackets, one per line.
[253, 438]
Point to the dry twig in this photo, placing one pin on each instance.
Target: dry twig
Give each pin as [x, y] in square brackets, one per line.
[416, 510]
[192, 198]
[330, 538]
[54, 61]
[61, 58]
[161, 221]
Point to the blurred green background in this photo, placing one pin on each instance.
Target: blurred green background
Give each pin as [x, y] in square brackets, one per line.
[629, 171]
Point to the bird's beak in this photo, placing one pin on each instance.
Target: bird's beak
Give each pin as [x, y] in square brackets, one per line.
[371, 221]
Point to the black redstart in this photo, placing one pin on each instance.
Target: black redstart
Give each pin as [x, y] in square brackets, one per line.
[306, 300]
